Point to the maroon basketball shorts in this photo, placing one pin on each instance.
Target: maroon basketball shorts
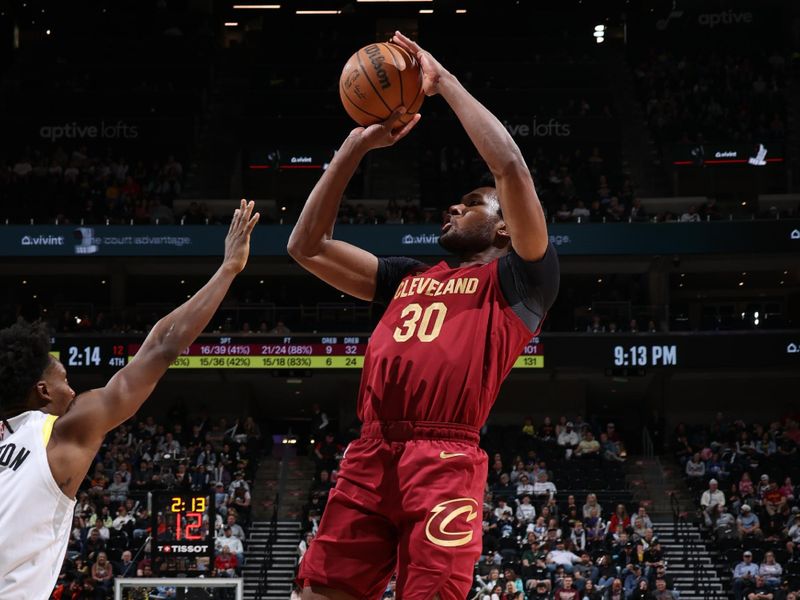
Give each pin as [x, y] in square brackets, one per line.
[409, 501]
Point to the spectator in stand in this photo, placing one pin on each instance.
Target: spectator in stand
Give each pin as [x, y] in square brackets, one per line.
[616, 591]
[225, 564]
[712, 498]
[690, 216]
[596, 326]
[774, 500]
[793, 531]
[526, 512]
[125, 567]
[787, 489]
[236, 530]
[748, 524]
[588, 447]
[560, 557]
[661, 592]
[590, 591]
[642, 591]
[220, 499]
[619, 522]
[488, 585]
[771, 570]
[746, 489]
[761, 591]
[590, 505]
[566, 591]
[716, 467]
[578, 537]
[240, 501]
[632, 578]
[641, 522]
[544, 488]
[123, 520]
[580, 213]
[595, 529]
[744, 576]
[725, 524]
[568, 439]
[524, 488]
[696, 471]
[610, 450]
[503, 509]
[102, 573]
[539, 591]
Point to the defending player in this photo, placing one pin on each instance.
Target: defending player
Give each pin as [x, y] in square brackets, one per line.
[410, 490]
[49, 437]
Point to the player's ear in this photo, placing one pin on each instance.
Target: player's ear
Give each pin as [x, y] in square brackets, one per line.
[42, 392]
[502, 233]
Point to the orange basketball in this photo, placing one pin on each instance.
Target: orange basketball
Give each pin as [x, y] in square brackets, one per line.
[378, 79]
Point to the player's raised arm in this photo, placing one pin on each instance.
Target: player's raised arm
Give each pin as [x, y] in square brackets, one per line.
[78, 434]
[522, 211]
[342, 265]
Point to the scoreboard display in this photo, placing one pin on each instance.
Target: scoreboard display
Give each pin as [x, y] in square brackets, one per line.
[295, 352]
[588, 351]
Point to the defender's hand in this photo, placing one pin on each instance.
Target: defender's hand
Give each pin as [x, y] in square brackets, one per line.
[432, 70]
[237, 242]
[382, 135]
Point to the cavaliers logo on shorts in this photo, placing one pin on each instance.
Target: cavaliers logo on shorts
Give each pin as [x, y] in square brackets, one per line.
[440, 528]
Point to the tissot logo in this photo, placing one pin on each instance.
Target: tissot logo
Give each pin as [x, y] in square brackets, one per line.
[183, 548]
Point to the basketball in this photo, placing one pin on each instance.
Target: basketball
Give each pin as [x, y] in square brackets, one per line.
[378, 79]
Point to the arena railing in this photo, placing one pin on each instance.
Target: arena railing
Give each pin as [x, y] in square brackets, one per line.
[268, 559]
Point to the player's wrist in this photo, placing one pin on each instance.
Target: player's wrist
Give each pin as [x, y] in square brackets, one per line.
[356, 144]
[448, 84]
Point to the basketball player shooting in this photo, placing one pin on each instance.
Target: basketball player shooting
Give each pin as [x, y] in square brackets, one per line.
[410, 491]
[49, 437]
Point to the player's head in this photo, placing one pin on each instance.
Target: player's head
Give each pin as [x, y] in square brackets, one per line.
[30, 378]
[475, 224]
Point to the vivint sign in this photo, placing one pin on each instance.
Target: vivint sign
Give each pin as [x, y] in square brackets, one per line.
[119, 130]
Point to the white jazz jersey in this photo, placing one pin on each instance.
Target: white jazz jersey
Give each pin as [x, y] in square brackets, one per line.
[35, 515]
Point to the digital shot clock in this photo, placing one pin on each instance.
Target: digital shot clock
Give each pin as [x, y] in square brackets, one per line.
[183, 526]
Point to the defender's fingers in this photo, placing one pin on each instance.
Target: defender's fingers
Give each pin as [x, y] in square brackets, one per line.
[407, 128]
[396, 114]
[252, 223]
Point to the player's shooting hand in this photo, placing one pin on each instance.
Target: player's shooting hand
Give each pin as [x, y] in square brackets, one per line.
[381, 135]
[432, 69]
[237, 242]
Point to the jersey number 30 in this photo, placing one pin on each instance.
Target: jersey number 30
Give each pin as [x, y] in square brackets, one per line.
[426, 323]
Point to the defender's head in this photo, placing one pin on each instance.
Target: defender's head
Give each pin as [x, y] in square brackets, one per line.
[30, 379]
[475, 224]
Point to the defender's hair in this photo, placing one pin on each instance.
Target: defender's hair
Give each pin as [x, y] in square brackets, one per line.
[24, 356]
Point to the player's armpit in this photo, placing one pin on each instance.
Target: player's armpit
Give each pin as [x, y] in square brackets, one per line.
[530, 287]
[346, 267]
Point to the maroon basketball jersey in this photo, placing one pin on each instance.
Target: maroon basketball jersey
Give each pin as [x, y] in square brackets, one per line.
[446, 342]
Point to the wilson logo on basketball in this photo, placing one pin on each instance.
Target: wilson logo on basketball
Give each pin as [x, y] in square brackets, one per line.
[377, 59]
[438, 529]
